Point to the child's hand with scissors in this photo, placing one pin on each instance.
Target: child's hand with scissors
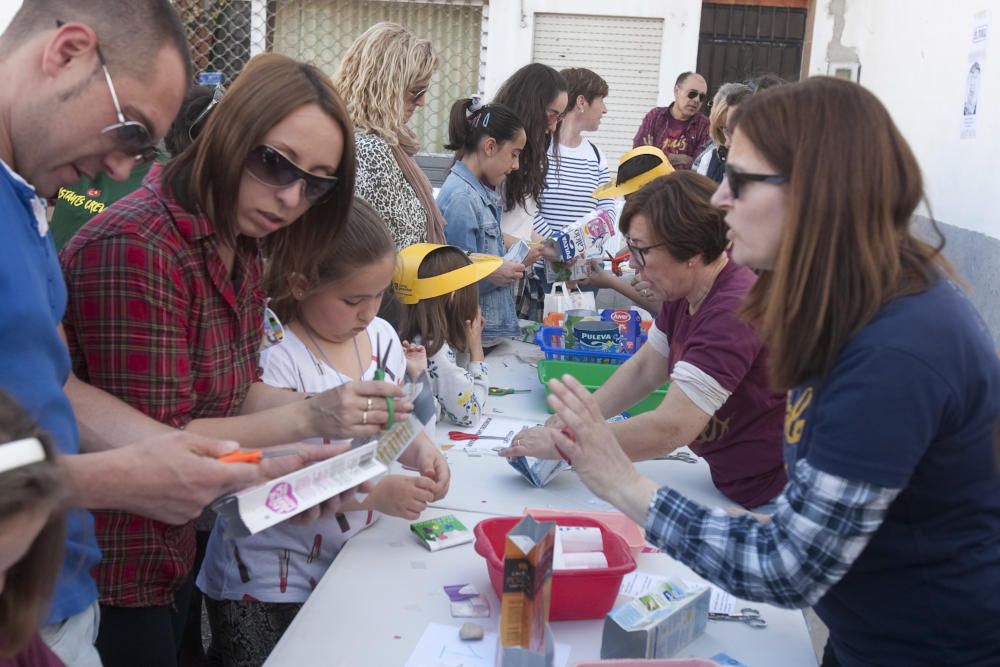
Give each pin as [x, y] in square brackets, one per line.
[416, 359]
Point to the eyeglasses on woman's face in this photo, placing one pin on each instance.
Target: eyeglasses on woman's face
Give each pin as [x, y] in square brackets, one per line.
[740, 179]
[638, 253]
[554, 115]
[417, 94]
[270, 167]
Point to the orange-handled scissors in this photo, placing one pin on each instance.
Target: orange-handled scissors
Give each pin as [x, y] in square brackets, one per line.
[617, 261]
[255, 455]
[458, 435]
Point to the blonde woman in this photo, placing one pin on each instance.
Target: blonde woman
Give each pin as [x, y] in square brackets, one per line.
[712, 159]
[383, 79]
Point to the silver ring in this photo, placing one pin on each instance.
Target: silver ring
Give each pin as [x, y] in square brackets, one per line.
[369, 404]
[364, 417]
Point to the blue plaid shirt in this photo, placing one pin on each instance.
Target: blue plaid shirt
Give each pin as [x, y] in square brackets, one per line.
[821, 525]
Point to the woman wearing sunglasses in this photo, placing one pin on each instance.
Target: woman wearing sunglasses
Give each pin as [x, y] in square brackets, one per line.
[679, 130]
[167, 305]
[383, 77]
[719, 401]
[890, 524]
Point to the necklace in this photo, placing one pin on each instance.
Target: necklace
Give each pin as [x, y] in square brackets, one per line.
[326, 360]
[694, 304]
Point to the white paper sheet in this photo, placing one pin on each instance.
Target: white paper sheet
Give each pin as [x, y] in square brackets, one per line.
[440, 646]
[504, 427]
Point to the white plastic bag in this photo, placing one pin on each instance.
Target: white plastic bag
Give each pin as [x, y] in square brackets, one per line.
[560, 299]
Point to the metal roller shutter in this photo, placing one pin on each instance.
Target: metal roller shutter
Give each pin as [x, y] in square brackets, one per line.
[624, 51]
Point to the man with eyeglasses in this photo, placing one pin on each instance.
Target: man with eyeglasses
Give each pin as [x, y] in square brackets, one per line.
[90, 86]
[680, 130]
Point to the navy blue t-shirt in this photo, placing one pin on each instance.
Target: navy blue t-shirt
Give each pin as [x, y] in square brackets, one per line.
[911, 404]
[34, 364]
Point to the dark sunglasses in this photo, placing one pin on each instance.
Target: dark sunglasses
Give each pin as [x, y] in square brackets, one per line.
[738, 179]
[691, 94]
[639, 254]
[272, 168]
[129, 136]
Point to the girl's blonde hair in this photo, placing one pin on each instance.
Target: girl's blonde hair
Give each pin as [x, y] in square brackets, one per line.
[377, 73]
[442, 319]
[29, 488]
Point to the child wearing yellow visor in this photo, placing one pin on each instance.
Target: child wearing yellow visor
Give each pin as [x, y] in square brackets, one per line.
[636, 168]
[437, 287]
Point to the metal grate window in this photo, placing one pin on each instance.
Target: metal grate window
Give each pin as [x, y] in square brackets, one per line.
[224, 34]
[738, 42]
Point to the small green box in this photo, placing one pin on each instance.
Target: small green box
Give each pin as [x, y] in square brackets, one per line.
[593, 376]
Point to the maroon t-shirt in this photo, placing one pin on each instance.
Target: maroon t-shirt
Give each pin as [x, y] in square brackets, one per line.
[34, 654]
[684, 137]
[742, 442]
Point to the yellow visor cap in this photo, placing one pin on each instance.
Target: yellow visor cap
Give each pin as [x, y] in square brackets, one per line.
[410, 289]
[619, 188]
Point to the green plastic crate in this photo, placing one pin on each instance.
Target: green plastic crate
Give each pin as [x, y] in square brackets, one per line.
[593, 376]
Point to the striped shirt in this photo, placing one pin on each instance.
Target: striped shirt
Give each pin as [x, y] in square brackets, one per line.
[569, 188]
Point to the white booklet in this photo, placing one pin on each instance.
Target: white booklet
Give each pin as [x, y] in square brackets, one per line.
[255, 509]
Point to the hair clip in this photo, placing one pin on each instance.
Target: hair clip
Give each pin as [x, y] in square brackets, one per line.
[20, 453]
[475, 103]
[486, 121]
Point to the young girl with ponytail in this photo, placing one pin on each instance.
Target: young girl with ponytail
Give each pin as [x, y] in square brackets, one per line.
[487, 140]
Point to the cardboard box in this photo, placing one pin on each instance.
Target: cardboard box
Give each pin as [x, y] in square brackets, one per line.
[654, 633]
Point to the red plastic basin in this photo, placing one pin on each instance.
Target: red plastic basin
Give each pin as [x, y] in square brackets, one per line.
[576, 594]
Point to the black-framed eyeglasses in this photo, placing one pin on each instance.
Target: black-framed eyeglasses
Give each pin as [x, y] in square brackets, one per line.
[270, 167]
[195, 127]
[639, 253]
[738, 179]
[691, 94]
[129, 136]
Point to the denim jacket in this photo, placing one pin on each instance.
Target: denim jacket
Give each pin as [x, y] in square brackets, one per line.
[472, 214]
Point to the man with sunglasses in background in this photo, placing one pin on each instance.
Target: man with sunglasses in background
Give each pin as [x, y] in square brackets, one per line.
[89, 87]
[680, 130]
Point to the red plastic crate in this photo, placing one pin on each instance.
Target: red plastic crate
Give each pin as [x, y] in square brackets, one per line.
[576, 594]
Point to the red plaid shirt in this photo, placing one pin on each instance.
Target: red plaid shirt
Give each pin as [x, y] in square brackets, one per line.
[155, 319]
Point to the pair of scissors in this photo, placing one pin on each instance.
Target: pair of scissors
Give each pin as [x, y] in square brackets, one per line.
[679, 456]
[380, 371]
[617, 261]
[459, 435]
[747, 615]
[255, 455]
[506, 391]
